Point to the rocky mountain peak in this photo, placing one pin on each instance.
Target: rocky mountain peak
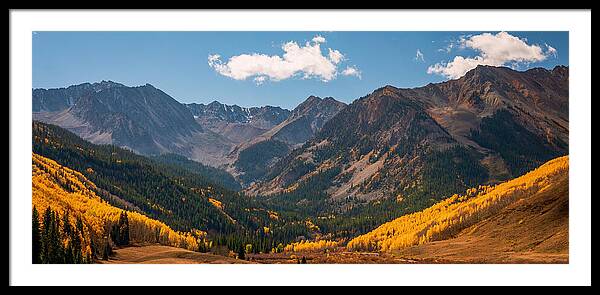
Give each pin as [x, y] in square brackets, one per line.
[236, 114]
[314, 105]
[561, 72]
[107, 84]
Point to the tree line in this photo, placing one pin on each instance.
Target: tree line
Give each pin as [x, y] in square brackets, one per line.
[55, 240]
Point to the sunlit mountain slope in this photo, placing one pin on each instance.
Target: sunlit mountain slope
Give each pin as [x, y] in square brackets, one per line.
[528, 214]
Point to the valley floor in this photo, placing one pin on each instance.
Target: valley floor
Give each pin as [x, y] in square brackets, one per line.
[445, 252]
[158, 254]
[336, 257]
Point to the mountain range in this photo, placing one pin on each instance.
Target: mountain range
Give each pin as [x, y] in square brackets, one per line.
[143, 119]
[148, 121]
[492, 124]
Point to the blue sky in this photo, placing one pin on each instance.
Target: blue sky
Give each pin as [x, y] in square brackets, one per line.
[250, 69]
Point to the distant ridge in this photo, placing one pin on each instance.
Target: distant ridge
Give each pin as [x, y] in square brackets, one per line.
[254, 157]
[237, 124]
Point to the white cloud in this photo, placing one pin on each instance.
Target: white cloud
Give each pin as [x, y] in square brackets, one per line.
[495, 50]
[307, 61]
[551, 51]
[335, 56]
[448, 48]
[419, 56]
[352, 71]
[318, 39]
[213, 58]
[456, 68]
[259, 80]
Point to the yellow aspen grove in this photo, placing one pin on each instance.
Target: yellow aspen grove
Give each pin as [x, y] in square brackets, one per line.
[65, 190]
[450, 216]
[307, 246]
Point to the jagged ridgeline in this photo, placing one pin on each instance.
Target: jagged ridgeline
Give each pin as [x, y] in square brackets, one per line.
[72, 224]
[450, 216]
[161, 191]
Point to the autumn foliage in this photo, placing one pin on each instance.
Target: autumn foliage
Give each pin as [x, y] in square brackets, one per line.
[68, 192]
[448, 217]
[311, 246]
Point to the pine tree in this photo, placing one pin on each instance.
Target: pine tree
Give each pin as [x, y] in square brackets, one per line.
[75, 244]
[57, 251]
[68, 254]
[93, 250]
[47, 224]
[114, 234]
[123, 229]
[66, 224]
[76, 238]
[241, 253]
[106, 250]
[52, 251]
[36, 238]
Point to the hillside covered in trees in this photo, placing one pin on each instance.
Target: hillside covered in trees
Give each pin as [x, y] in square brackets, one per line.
[71, 224]
[171, 189]
[546, 186]
[132, 181]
